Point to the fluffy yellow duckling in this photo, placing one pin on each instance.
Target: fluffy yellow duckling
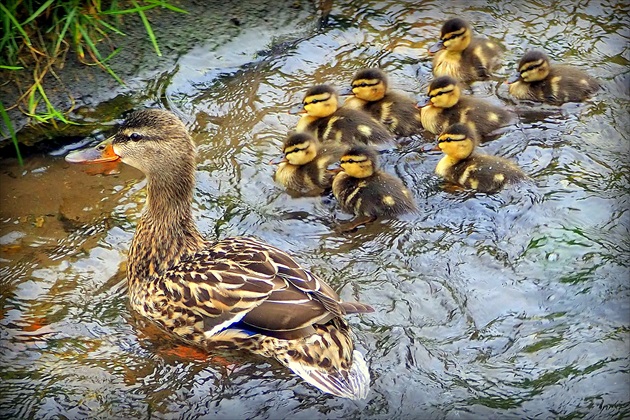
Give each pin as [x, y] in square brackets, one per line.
[537, 80]
[464, 167]
[395, 110]
[303, 167]
[461, 55]
[363, 189]
[445, 105]
[329, 122]
[235, 292]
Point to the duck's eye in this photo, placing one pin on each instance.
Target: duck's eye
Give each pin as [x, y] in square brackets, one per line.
[135, 136]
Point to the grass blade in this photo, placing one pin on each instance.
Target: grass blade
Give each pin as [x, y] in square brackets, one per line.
[7, 122]
[168, 6]
[147, 26]
[16, 23]
[62, 34]
[38, 12]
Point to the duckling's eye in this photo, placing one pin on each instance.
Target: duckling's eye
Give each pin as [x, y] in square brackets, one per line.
[135, 136]
[314, 101]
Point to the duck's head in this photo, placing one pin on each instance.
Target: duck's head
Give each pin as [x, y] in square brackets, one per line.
[152, 140]
[299, 149]
[319, 101]
[455, 35]
[359, 161]
[457, 141]
[369, 84]
[443, 92]
[534, 66]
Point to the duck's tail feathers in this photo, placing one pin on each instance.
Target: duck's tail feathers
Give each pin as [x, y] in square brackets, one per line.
[353, 383]
[356, 308]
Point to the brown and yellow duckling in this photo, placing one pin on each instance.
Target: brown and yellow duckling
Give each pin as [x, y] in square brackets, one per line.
[537, 80]
[395, 110]
[303, 166]
[445, 105]
[466, 168]
[463, 56]
[330, 123]
[363, 189]
[235, 292]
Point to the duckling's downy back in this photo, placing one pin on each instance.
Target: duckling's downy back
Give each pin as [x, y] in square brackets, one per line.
[364, 189]
[536, 79]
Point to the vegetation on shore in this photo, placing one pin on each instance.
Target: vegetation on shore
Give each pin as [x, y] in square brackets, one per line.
[37, 36]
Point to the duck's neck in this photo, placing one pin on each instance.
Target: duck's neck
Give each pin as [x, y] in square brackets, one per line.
[166, 232]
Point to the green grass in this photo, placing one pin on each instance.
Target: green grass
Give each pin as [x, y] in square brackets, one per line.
[37, 36]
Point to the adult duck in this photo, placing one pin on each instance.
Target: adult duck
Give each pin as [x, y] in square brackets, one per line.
[235, 292]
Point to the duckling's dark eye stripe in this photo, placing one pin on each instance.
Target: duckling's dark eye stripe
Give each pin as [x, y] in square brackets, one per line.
[448, 140]
[363, 84]
[352, 161]
[450, 36]
[440, 93]
[529, 68]
[296, 149]
[314, 101]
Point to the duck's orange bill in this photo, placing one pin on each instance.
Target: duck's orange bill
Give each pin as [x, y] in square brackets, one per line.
[102, 152]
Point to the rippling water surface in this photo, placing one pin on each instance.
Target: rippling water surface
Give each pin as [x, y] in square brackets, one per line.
[507, 306]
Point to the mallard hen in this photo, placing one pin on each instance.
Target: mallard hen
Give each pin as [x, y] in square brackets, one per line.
[235, 292]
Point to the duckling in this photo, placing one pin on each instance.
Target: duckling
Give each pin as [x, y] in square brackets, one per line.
[445, 105]
[330, 123]
[395, 110]
[365, 190]
[537, 80]
[234, 292]
[466, 168]
[461, 55]
[303, 168]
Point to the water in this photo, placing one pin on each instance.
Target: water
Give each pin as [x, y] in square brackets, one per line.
[507, 306]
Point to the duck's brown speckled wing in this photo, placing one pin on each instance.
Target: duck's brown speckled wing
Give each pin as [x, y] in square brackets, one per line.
[243, 280]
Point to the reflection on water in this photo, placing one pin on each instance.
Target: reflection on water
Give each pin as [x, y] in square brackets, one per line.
[514, 305]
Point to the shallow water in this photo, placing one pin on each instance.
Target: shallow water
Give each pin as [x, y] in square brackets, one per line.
[507, 306]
